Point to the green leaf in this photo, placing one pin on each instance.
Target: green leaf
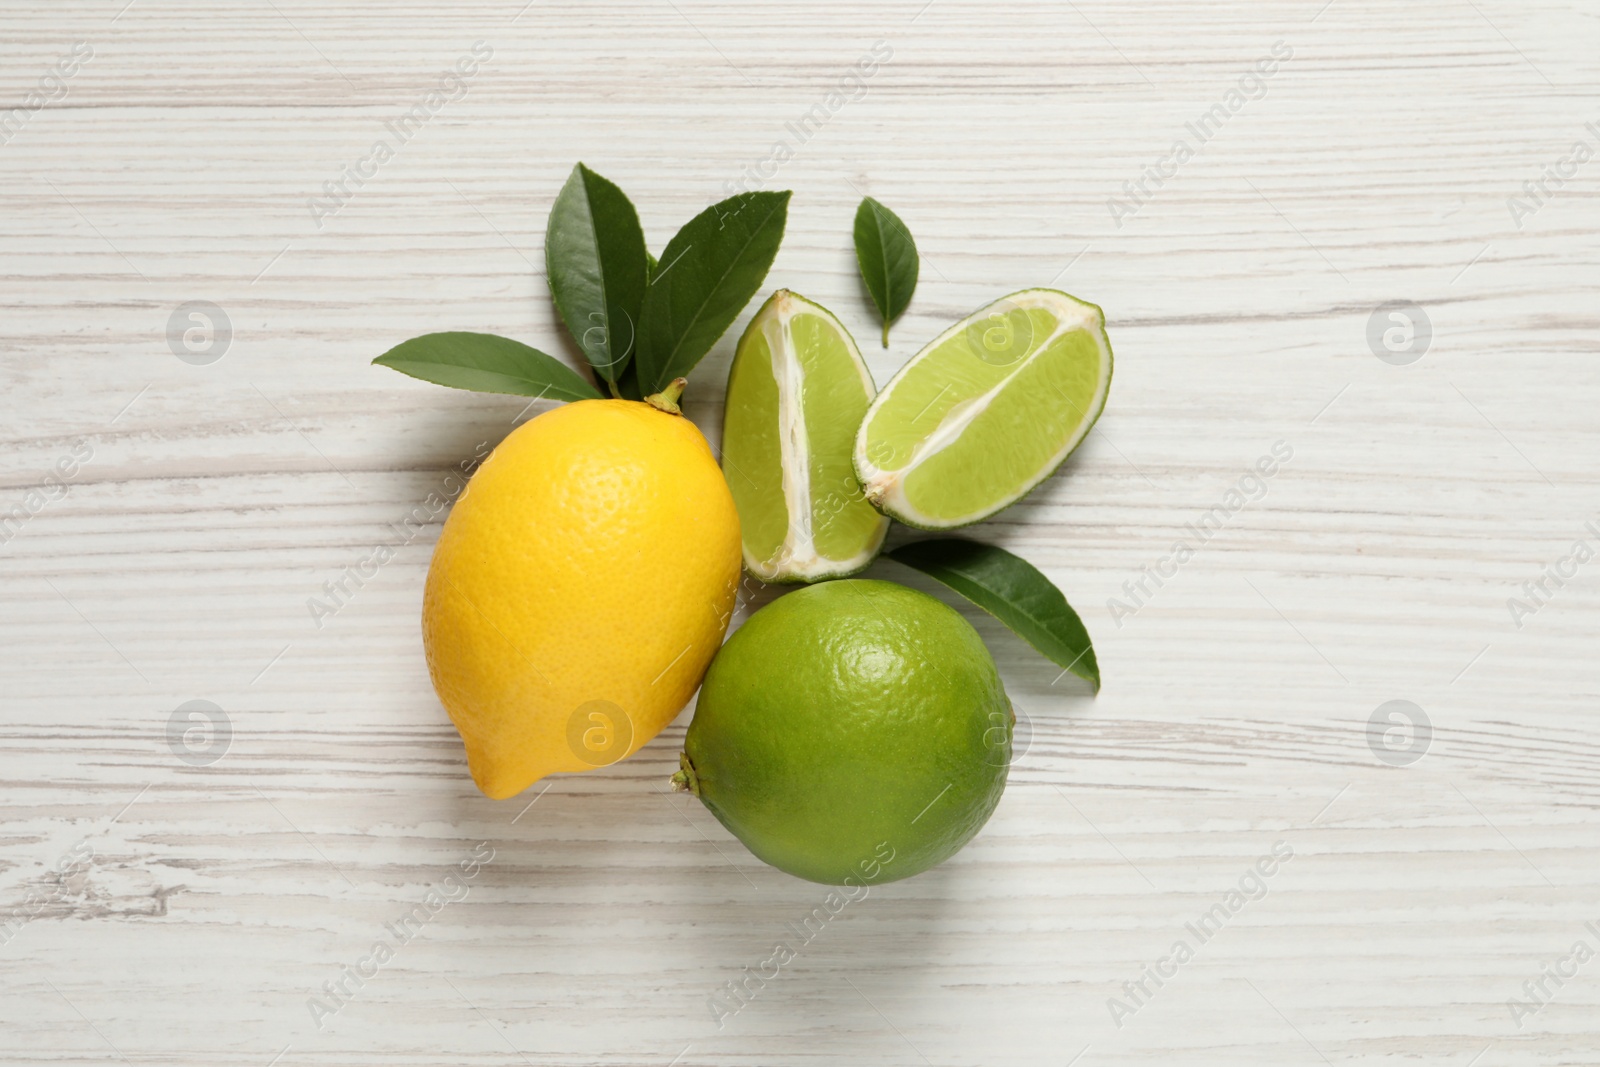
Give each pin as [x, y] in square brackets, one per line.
[1013, 591]
[888, 259]
[488, 364]
[708, 273]
[595, 257]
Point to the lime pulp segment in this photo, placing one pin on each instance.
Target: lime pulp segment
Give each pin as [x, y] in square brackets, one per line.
[986, 411]
[797, 392]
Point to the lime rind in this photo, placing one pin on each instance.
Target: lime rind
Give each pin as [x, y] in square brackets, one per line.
[886, 456]
[796, 391]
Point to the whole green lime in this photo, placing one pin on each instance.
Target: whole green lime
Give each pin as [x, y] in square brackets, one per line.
[851, 732]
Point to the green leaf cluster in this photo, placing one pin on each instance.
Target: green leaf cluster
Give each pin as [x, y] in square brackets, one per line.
[639, 322]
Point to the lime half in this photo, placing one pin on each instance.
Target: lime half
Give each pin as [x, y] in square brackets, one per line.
[796, 393]
[986, 411]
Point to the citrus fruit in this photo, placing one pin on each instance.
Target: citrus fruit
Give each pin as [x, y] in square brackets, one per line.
[579, 588]
[851, 732]
[796, 393]
[986, 411]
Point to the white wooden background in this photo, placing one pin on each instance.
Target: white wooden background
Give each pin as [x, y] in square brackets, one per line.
[218, 499]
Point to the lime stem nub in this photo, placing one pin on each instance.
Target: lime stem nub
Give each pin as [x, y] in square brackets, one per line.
[685, 780]
[667, 399]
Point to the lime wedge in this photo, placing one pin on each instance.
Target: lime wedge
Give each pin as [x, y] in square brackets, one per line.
[986, 411]
[796, 393]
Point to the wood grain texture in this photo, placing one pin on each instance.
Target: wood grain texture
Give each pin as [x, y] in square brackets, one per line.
[1374, 165]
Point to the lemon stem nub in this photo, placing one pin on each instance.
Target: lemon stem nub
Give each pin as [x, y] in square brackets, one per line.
[685, 780]
[667, 399]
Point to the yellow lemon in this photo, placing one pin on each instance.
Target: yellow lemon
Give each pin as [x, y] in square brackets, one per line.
[579, 589]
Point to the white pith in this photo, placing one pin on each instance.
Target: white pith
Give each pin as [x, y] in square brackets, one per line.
[886, 488]
[797, 557]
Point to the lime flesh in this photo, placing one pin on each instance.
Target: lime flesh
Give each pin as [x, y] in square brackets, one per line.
[796, 394]
[852, 732]
[986, 411]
